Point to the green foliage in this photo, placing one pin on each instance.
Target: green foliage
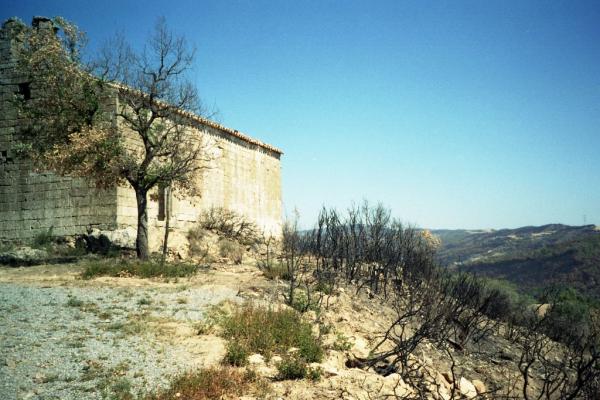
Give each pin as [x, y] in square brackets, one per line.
[121, 389]
[342, 343]
[570, 316]
[506, 300]
[236, 355]
[541, 256]
[302, 303]
[138, 268]
[315, 374]
[324, 287]
[43, 239]
[144, 301]
[74, 302]
[64, 128]
[292, 368]
[266, 331]
[6, 246]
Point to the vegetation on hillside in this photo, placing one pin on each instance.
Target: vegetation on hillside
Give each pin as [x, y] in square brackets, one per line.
[122, 267]
[533, 258]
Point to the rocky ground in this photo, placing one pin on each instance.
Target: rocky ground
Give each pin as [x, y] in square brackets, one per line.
[62, 337]
[65, 338]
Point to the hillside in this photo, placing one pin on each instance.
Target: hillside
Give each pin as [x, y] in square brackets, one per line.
[251, 321]
[530, 257]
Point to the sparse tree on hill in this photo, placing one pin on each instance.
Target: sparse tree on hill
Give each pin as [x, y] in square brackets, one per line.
[77, 129]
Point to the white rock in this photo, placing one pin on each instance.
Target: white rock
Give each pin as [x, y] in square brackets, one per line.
[479, 386]
[360, 348]
[466, 388]
[256, 359]
[441, 380]
[275, 360]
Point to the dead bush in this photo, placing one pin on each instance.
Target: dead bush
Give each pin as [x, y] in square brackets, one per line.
[198, 246]
[213, 383]
[231, 250]
[229, 224]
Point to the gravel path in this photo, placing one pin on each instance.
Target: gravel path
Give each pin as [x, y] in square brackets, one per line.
[66, 341]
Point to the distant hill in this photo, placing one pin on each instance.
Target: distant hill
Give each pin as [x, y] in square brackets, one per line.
[532, 257]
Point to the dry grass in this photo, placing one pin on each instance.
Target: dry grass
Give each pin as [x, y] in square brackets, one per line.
[213, 383]
[231, 250]
[142, 269]
[274, 270]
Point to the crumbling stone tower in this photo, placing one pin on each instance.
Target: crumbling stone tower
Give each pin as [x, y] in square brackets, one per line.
[244, 176]
[32, 203]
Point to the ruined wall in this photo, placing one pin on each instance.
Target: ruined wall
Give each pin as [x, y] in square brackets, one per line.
[31, 203]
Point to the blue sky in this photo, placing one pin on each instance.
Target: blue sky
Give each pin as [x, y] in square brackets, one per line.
[462, 114]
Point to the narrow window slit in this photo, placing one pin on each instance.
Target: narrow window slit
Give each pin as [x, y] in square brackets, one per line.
[162, 200]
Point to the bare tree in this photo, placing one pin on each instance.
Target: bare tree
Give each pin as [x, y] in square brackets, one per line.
[570, 368]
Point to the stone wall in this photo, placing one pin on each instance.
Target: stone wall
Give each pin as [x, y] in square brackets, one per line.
[241, 176]
[32, 203]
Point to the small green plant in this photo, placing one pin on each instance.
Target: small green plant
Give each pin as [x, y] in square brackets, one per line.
[274, 270]
[144, 301]
[266, 331]
[292, 368]
[44, 238]
[325, 329]
[236, 355]
[342, 343]
[302, 303]
[115, 326]
[104, 315]
[324, 287]
[295, 367]
[121, 389]
[74, 302]
[315, 374]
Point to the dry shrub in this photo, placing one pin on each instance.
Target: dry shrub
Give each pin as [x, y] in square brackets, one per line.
[275, 270]
[231, 225]
[231, 250]
[212, 383]
[139, 268]
[198, 246]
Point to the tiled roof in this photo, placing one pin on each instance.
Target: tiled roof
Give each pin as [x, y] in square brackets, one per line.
[215, 125]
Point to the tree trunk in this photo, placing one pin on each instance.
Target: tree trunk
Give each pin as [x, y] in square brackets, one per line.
[167, 223]
[141, 241]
